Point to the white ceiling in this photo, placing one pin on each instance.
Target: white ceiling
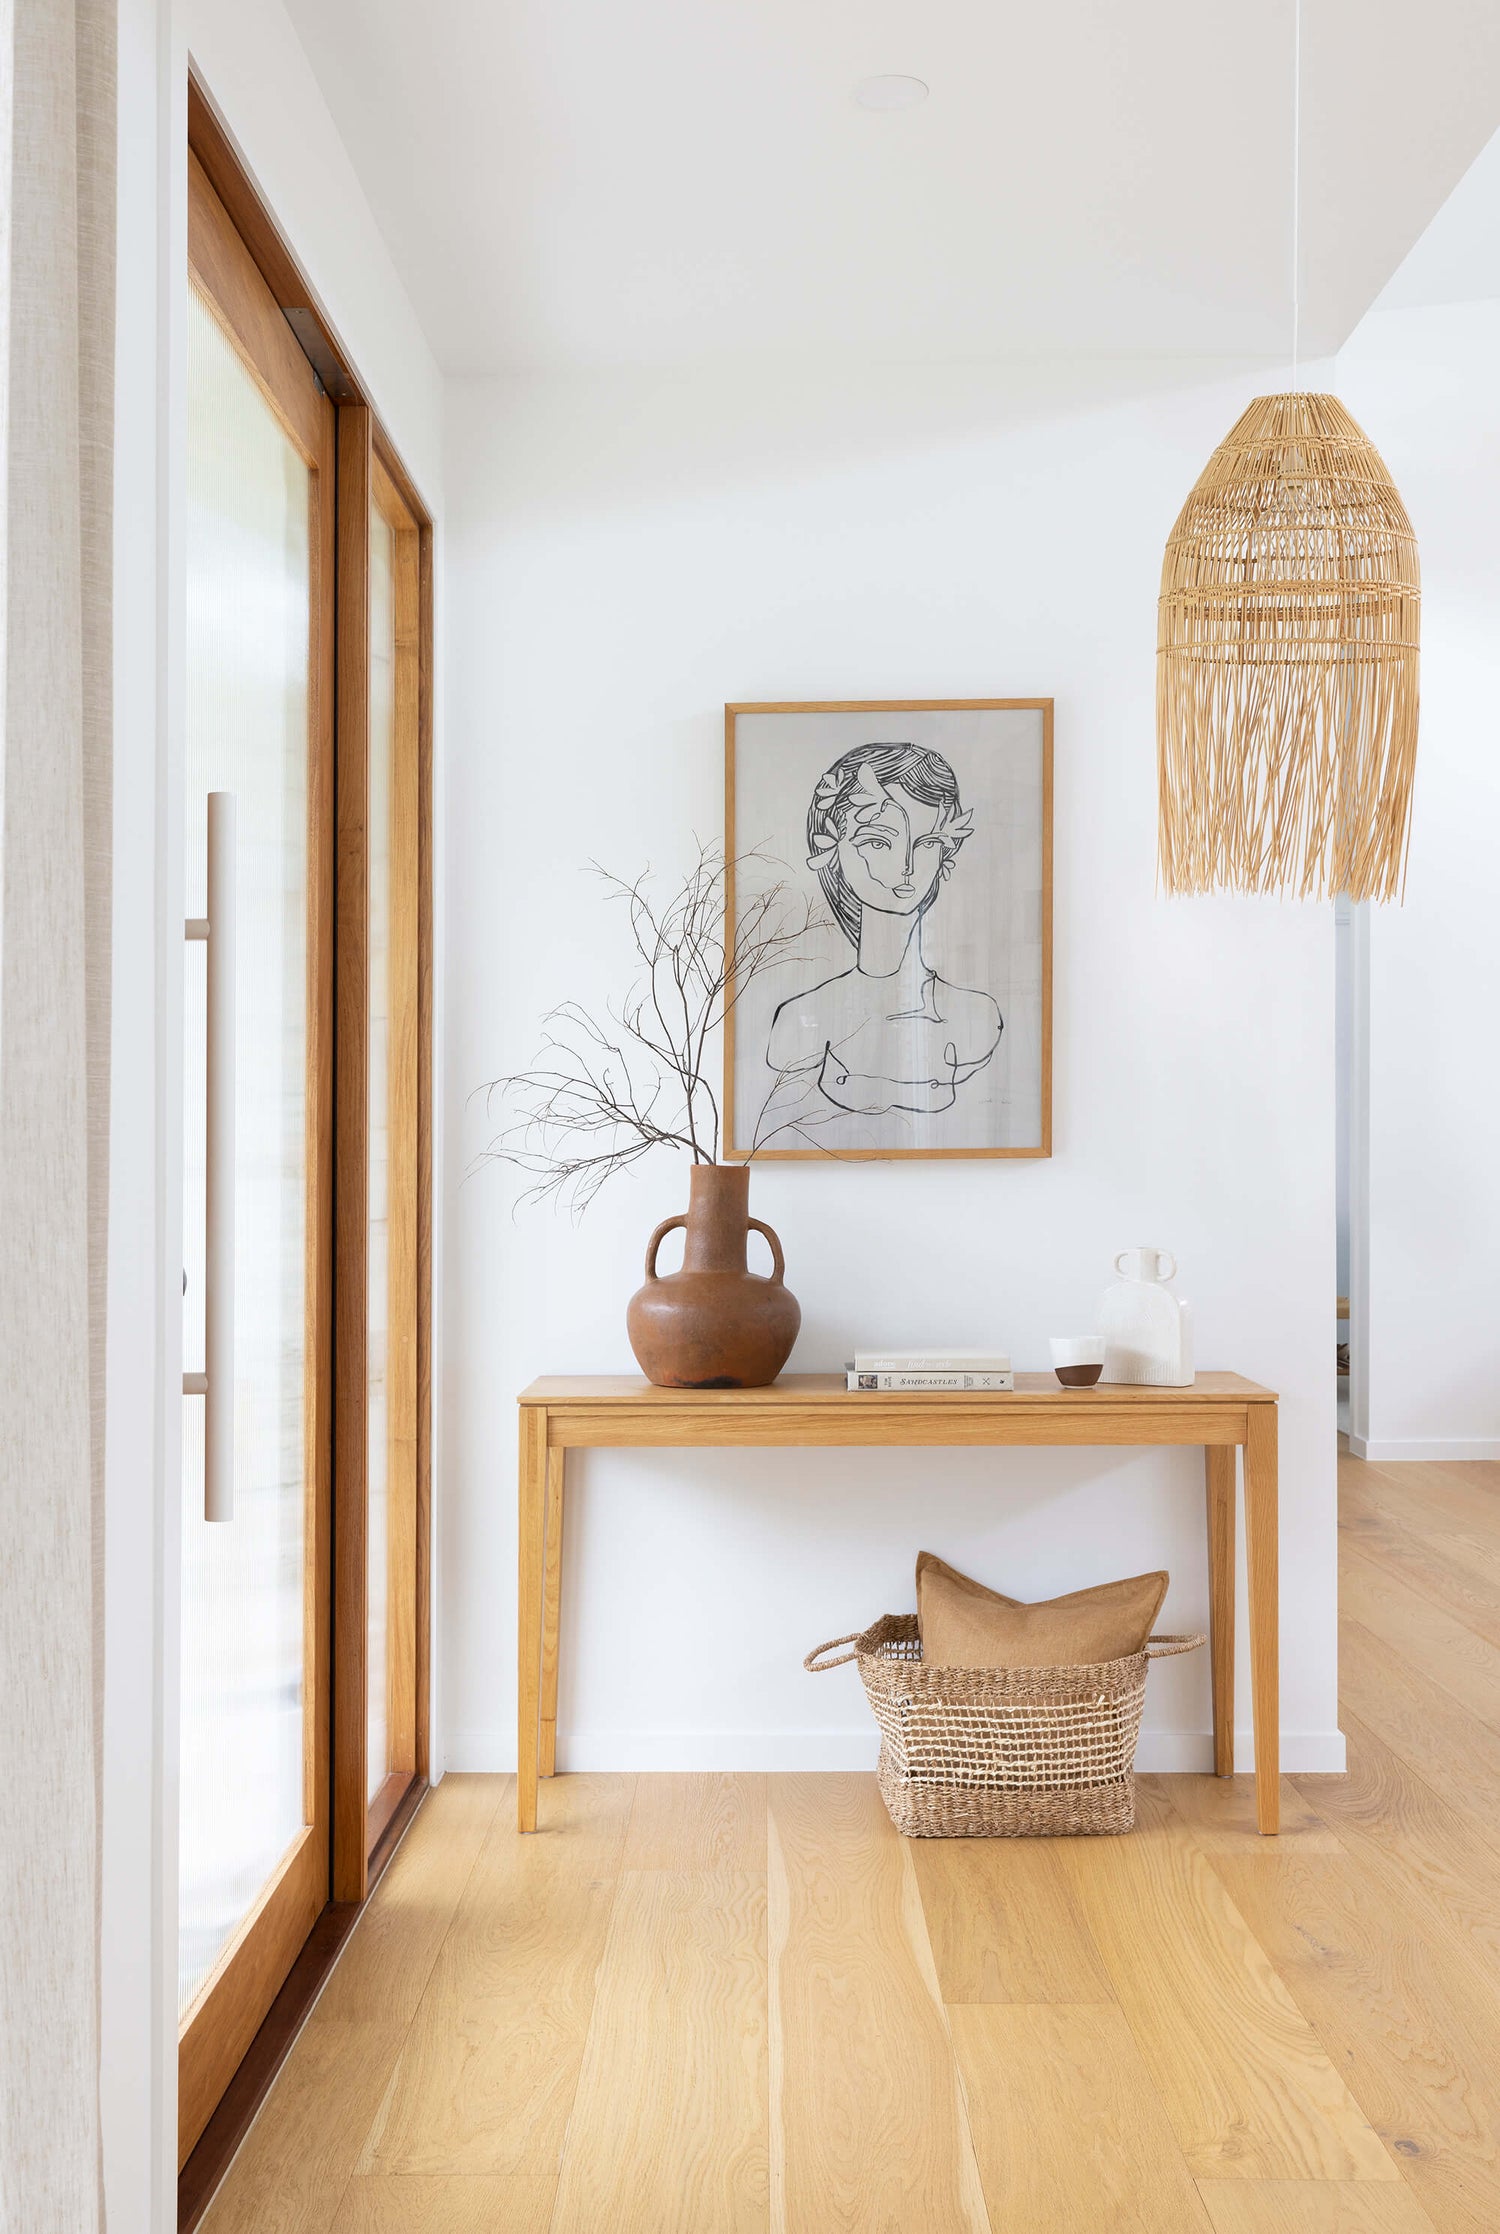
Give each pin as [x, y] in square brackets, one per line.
[589, 183]
[1458, 257]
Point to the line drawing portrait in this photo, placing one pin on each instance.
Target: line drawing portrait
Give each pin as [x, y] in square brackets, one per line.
[885, 828]
[911, 1013]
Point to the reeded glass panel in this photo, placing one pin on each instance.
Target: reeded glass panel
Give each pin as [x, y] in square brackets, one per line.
[249, 494]
[382, 755]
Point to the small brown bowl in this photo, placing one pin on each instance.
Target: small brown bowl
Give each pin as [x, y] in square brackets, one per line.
[1078, 1376]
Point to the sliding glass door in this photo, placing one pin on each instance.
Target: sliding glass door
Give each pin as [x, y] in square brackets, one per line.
[257, 1168]
[306, 1145]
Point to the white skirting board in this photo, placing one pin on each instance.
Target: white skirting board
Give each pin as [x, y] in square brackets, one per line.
[1167, 1752]
[1398, 1453]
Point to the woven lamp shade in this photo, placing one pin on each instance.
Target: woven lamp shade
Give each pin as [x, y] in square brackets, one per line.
[1286, 666]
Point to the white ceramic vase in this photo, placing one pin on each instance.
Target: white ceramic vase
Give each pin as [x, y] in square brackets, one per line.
[1148, 1332]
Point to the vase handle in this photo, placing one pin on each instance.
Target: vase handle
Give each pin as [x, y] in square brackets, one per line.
[778, 1262]
[658, 1238]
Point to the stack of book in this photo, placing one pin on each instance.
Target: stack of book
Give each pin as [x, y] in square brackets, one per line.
[959, 1371]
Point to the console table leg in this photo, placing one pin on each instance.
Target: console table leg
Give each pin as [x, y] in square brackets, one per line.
[1262, 1545]
[551, 1610]
[1219, 1459]
[532, 1505]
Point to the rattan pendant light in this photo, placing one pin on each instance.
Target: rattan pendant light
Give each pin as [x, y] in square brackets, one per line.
[1286, 666]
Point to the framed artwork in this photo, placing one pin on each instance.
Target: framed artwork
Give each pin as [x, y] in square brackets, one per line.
[907, 846]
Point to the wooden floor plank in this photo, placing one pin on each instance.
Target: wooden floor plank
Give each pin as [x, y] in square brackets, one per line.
[1441, 1568]
[1313, 2207]
[388, 1957]
[1435, 1499]
[691, 1824]
[1248, 2088]
[1005, 1923]
[1405, 1834]
[669, 2132]
[1070, 2134]
[486, 2078]
[291, 2173]
[1450, 1748]
[869, 2129]
[1221, 1811]
[1426, 1634]
[1415, 2032]
[376, 2205]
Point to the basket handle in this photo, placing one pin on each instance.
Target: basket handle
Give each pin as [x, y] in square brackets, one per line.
[1163, 1648]
[815, 1664]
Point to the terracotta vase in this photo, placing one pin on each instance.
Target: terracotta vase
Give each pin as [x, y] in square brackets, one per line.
[714, 1324]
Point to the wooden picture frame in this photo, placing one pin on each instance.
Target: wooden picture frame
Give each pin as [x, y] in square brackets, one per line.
[848, 1079]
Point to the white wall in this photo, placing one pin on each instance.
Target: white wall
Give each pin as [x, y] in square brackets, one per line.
[625, 555]
[1424, 381]
[138, 2149]
[270, 100]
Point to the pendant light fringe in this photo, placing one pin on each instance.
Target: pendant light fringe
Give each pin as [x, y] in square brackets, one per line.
[1287, 660]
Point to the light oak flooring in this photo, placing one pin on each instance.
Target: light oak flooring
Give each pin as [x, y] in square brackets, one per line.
[693, 2004]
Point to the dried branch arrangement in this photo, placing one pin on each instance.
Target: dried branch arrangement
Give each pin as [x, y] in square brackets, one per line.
[1287, 654]
[602, 1093]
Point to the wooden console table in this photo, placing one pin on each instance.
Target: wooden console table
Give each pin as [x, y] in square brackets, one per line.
[1220, 1411]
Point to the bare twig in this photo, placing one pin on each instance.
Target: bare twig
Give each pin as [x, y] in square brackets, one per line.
[592, 1104]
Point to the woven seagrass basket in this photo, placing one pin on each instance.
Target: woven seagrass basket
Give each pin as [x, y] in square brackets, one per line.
[1001, 1752]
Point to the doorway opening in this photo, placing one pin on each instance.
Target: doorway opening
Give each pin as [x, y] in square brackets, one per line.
[1351, 1165]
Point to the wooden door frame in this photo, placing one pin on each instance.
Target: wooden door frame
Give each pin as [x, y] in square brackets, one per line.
[365, 461]
[404, 936]
[212, 148]
[350, 1873]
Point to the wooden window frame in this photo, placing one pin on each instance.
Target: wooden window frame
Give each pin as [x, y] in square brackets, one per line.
[356, 1862]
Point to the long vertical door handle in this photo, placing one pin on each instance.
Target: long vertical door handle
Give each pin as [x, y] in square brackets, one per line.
[215, 1384]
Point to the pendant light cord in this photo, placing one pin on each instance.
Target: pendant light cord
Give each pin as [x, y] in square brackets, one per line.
[1296, 182]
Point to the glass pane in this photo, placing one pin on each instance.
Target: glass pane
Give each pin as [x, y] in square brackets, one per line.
[382, 757]
[249, 587]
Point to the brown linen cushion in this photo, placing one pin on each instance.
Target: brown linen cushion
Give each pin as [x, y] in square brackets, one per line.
[964, 1625]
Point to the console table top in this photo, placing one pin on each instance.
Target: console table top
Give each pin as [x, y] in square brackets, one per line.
[573, 1389]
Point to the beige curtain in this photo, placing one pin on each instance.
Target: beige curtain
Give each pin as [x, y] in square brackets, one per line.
[57, 224]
